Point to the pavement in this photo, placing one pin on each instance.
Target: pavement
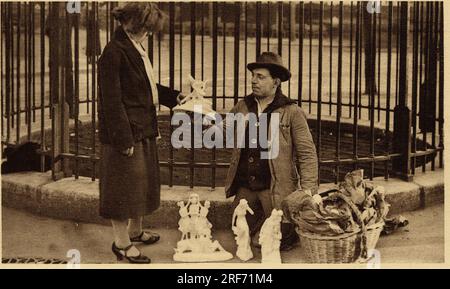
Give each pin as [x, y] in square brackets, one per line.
[29, 235]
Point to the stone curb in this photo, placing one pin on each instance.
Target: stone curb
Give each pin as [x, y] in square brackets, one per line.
[78, 200]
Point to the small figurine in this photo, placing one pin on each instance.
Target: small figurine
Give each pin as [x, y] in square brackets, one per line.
[204, 226]
[270, 238]
[183, 223]
[196, 101]
[196, 244]
[241, 230]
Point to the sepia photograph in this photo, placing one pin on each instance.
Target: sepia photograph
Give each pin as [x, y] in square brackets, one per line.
[237, 134]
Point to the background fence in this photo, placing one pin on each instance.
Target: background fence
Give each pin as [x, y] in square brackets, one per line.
[370, 78]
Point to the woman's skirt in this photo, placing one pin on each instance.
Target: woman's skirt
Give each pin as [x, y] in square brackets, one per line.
[129, 186]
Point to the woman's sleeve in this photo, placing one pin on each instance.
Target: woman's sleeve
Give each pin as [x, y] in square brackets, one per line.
[167, 96]
[111, 105]
[305, 150]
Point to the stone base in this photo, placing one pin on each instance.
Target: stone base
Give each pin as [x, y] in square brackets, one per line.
[202, 257]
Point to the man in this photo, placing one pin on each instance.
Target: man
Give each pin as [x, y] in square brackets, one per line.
[266, 182]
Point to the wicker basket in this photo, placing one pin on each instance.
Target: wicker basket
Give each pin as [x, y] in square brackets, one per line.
[373, 234]
[330, 249]
[344, 248]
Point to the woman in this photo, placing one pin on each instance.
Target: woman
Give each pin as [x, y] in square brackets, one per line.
[128, 128]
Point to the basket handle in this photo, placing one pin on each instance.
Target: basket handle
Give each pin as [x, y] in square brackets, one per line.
[337, 193]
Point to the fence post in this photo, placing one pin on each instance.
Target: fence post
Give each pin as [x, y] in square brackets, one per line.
[60, 109]
[210, 19]
[293, 8]
[402, 114]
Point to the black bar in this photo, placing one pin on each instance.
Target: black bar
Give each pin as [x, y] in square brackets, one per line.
[427, 94]
[108, 14]
[203, 40]
[357, 81]
[339, 93]
[379, 65]
[63, 35]
[372, 94]
[18, 102]
[33, 49]
[25, 57]
[414, 86]
[388, 88]
[421, 58]
[54, 77]
[319, 86]
[94, 81]
[258, 28]
[441, 84]
[171, 76]
[289, 46]
[331, 59]
[402, 114]
[42, 55]
[77, 89]
[3, 28]
[433, 82]
[8, 57]
[361, 160]
[237, 28]
[214, 56]
[88, 39]
[181, 45]
[196, 165]
[111, 20]
[428, 152]
[159, 50]
[269, 26]
[192, 155]
[360, 62]
[245, 47]
[301, 26]
[28, 70]
[214, 88]
[310, 58]
[11, 33]
[397, 53]
[193, 8]
[224, 62]
[280, 28]
[351, 60]
[91, 158]
[403, 37]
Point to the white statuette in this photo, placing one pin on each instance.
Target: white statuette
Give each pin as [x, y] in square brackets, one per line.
[196, 244]
[241, 230]
[270, 238]
[195, 101]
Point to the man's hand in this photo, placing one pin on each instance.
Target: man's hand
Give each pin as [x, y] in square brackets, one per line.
[128, 152]
[181, 98]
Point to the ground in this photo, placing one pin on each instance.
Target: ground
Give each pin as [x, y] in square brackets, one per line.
[27, 235]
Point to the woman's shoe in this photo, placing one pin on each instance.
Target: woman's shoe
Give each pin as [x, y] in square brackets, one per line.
[122, 253]
[153, 238]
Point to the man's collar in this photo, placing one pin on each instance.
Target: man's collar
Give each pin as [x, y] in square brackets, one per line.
[279, 100]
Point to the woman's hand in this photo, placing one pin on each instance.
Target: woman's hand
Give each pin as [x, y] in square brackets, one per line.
[181, 98]
[128, 152]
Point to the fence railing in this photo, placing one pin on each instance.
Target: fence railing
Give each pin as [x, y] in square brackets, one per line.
[370, 78]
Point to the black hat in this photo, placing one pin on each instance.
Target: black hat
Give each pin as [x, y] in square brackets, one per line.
[273, 62]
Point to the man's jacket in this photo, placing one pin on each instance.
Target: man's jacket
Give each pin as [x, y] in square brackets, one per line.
[296, 147]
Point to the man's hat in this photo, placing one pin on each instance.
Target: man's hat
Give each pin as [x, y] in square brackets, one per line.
[273, 62]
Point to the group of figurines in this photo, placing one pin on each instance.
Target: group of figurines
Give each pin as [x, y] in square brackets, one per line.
[197, 245]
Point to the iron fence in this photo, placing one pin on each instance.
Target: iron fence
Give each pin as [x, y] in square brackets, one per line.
[370, 78]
